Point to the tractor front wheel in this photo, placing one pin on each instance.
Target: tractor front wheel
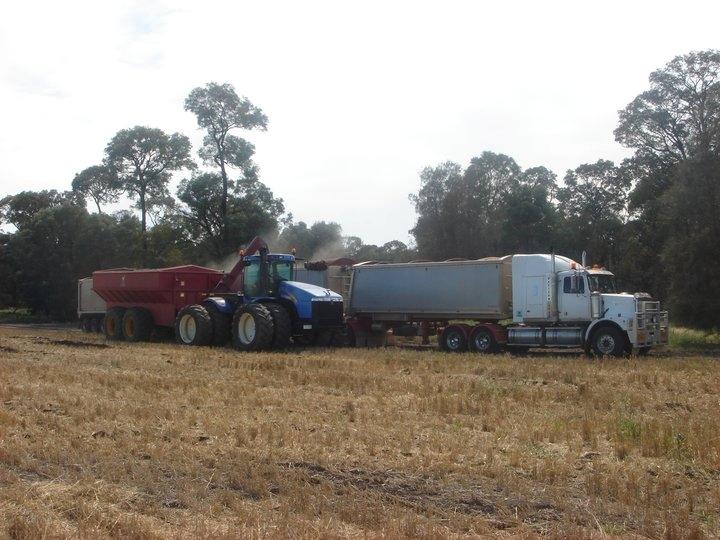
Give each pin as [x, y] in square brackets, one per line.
[252, 328]
[193, 326]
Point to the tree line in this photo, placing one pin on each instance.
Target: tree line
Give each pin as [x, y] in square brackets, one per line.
[654, 218]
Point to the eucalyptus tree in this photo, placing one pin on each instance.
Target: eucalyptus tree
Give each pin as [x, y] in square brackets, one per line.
[144, 158]
[100, 183]
[219, 110]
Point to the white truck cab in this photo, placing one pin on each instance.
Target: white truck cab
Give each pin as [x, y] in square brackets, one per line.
[559, 302]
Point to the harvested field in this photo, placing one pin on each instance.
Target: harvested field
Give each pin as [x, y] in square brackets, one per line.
[155, 440]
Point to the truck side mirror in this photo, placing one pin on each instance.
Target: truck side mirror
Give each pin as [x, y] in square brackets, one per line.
[574, 283]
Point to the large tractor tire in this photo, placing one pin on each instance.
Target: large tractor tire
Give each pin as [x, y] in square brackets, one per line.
[193, 326]
[221, 323]
[453, 339]
[112, 324]
[482, 341]
[282, 326]
[252, 328]
[608, 341]
[137, 324]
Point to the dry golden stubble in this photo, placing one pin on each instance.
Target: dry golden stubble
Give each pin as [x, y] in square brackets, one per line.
[156, 440]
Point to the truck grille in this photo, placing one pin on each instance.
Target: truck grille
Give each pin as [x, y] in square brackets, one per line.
[327, 314]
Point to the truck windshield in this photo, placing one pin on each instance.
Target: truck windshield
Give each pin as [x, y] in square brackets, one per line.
[602, 283]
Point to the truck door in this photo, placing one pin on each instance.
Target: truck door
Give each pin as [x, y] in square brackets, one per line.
[535, 297]
[574, 297]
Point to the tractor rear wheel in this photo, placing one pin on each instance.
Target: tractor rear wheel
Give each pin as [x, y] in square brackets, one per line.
[193, 326]
[282, 326]
[112, 324]
[221, 323]
[137, 324]
[252, 328]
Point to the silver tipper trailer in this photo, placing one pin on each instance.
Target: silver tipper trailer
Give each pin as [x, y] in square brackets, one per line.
[478, 289]
[91, 308]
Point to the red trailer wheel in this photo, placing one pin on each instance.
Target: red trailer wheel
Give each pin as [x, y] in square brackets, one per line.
[453, 339]
[137, 324]
[112, 324]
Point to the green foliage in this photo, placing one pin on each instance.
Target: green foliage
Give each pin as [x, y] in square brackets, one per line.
[100, 183]
[490, 208]
[219, 110]
[251, 209]
[143, 159]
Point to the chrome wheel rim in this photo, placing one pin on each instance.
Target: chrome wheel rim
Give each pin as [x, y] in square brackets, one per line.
[454, 341]
[188, 328]
[482, 342]
[246, 328]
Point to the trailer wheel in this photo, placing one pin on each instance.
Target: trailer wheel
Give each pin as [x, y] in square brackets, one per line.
[193, 326]
[453, 339]
[608, 341]
[221, 323]
[137, 324]
[282, 326]
[112, 324]
[252, 328]
[482, 341]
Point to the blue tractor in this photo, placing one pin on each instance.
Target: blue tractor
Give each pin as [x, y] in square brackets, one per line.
[259, 306]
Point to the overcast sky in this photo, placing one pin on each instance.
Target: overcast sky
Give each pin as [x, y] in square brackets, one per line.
[360, 96]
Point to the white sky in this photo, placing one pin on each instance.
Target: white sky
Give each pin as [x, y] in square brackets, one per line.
[361, 96]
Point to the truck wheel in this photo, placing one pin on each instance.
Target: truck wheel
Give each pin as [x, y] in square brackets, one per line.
[282, 326]
[193, 326]
[482, 341]
[137, 324]
[86, 324]
[643, 351]
[112, 325]
[221, 323]
[97, 325]
[608, 341]
[453, 339]
[252, 328]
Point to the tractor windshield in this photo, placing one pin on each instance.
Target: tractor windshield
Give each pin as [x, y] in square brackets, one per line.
[277, 271]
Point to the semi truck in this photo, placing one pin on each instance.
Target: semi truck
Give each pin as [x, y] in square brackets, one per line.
[257, 305]
[509, 303]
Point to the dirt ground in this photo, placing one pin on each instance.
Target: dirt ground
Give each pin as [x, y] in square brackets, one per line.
[155, 440]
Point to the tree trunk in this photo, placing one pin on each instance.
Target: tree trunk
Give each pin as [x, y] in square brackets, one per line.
[143, 226]
[223, 202]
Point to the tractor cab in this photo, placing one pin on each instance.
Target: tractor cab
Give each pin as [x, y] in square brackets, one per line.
[264, 273]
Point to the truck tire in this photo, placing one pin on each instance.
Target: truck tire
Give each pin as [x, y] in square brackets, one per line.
[193, 326]
[608, 341]
[96, 325]
[282, 326]
[86, 324]
[482, 341]
[453, 339]
[137, 324]
[252, 328]
[221, 323]
[112, 324]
